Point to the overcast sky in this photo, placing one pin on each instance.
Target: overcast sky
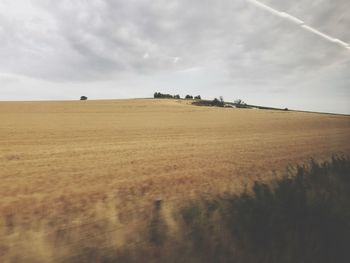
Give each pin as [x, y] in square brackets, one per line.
[63, 49]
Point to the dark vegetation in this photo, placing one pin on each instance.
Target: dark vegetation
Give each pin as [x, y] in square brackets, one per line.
[236, 104]
[215, 102]
[158, 95]
[221, 103]
[83, 98]
[303, 216]
[198, 101]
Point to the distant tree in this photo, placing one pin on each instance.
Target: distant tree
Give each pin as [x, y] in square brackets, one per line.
[188, 97]
[198, 97]
[83, 98]
[218, 102]
[158, 95]
[177, 96]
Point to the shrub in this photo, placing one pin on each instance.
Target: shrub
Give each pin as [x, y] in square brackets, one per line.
[83, 98]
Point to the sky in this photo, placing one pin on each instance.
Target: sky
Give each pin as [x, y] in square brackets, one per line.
[278, 53]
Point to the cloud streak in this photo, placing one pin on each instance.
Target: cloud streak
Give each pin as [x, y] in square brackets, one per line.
[300, 23]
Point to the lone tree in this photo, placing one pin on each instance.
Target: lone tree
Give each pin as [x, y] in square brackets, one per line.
[83, 98]
[198, 97]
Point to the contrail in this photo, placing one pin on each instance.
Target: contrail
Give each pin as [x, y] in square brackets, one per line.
[300, 23]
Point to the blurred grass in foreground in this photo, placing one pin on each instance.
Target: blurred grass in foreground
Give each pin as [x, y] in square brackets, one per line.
[302, 217]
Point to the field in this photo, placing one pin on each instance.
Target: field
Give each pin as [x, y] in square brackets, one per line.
[75, 169]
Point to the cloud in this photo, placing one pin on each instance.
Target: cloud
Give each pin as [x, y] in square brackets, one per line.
[132, 47]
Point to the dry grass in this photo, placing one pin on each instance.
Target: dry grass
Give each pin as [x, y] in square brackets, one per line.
[82, 174]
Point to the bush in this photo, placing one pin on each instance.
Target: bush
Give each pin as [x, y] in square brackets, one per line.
[83, 98]
[189, 97]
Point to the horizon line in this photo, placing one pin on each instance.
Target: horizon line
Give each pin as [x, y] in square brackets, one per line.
[147, 98]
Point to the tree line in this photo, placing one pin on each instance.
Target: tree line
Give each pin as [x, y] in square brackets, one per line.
[158, 95]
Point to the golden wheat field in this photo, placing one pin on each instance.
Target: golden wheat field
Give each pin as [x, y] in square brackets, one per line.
[85, 173]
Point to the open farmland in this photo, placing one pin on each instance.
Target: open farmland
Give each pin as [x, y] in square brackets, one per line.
[86, 165]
